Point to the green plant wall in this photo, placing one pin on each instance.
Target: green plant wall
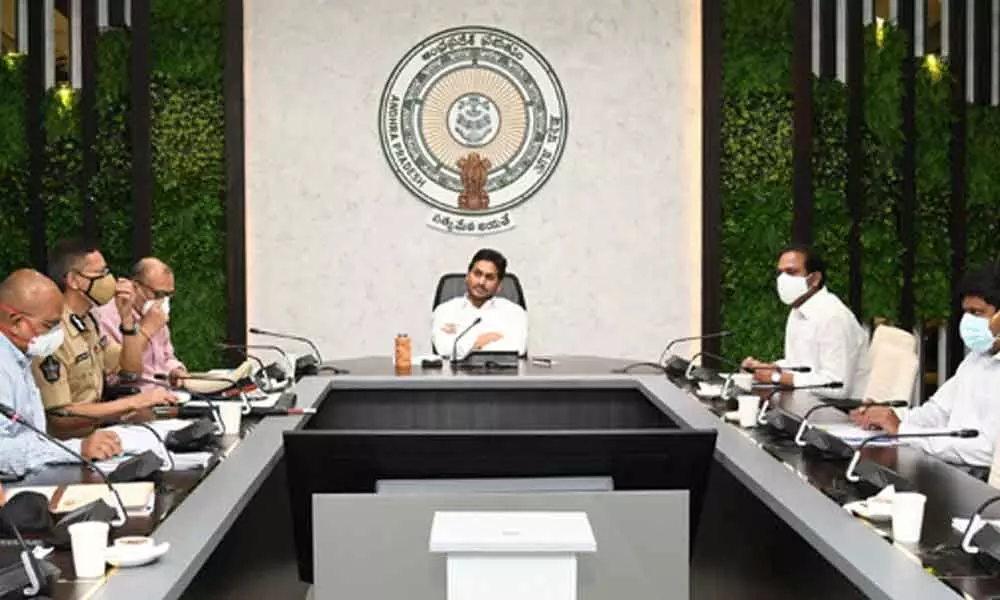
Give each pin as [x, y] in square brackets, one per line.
[188, 166]
[757, 177]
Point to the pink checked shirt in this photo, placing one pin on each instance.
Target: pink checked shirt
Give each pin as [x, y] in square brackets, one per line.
[159, 355]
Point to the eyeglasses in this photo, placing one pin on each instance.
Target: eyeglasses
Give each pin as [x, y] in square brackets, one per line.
[157, 294]
[101, 273]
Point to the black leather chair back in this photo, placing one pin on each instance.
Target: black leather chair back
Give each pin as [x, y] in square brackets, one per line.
[452, 285]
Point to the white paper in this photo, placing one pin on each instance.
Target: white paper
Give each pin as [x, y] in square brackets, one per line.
[709, 390]
[959, 524]
[853, 435]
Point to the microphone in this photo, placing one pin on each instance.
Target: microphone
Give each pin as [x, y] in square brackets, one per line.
[691, 338]
[454, 346]
[277, 349]
[12, 414]
[984, 533]
[690, 370]
[212, 406]
[34, 568]
[831, 385]
[848, 404]
[738, 366]
[62, 412]
[298, 338]
[677, 366]
[958, 433]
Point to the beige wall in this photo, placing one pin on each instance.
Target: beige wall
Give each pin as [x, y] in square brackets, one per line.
[608, 249]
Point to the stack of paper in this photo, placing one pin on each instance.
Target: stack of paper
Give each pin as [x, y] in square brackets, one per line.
[853, 435]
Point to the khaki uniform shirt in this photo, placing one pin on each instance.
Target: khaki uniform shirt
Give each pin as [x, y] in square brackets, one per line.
[75, 373]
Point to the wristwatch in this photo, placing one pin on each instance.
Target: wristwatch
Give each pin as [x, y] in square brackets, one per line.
[776, 377]
[134, 330]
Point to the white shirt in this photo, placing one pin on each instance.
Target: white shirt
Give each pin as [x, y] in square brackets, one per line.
[498, 315]
[823, 335]
[970, 399]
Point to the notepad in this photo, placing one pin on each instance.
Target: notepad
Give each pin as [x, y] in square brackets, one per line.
[138, 497]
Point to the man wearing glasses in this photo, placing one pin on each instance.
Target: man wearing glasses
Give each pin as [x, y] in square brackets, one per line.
[150, 311]
[72, 380]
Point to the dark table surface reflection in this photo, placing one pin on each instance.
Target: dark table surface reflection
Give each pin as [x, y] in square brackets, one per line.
[951, 490]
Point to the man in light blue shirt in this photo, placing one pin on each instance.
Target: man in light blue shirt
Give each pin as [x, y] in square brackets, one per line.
[31, 307]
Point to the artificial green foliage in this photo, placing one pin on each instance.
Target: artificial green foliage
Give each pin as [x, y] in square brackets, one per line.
[189, 171]
[187, 42]
[13, 162]
[983, 185]
[881, 248]
[13, 146]
[931, 278]
[756, 180]
[757, 173]
[831, 217]
[757, 43]
[188, 216]
[188, 166]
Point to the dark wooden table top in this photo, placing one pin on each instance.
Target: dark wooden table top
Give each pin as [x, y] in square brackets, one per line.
[951, 491]
[171, 489]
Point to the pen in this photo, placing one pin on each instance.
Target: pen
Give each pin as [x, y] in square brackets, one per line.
[289, 411]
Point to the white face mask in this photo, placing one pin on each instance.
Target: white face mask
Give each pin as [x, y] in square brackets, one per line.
[46, 344]
[791, 288]
[165, 306]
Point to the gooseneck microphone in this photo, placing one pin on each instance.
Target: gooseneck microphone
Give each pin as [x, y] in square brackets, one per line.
[691, 366]
[298, 338]
[278, 349]
[661, 365]
[212, 406]
[691, 338]
[12, 414]
[979, 528]
[261, 368]
[62, 412]
[739, 367]
[766, 404]
[454, 346]
[35, 575]
[846, 404]
[957, 433]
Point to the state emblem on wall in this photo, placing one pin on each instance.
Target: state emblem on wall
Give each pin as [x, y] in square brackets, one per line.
[473, 122]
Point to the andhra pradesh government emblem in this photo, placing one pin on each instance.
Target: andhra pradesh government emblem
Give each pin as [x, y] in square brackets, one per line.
[473, 122]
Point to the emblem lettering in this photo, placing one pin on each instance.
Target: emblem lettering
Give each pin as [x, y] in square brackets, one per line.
[472, 122]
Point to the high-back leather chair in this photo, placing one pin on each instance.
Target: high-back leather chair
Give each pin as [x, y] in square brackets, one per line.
[452, 285]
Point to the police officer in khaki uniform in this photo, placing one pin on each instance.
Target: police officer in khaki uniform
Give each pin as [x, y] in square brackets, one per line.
[72, 381]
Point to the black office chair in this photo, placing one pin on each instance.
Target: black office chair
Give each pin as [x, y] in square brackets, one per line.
[452, 285]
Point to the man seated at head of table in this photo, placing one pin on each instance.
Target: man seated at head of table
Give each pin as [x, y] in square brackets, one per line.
[153, 281]
[72, 379]
[503, 325]
[31, 311]
[821, 332]
[969, 399]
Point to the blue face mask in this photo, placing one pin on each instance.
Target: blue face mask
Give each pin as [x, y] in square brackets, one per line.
[976, 334]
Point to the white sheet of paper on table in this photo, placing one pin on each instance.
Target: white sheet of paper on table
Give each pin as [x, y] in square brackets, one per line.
[853, 435]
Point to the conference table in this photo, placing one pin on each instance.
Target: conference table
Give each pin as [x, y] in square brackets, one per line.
[772, 524]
